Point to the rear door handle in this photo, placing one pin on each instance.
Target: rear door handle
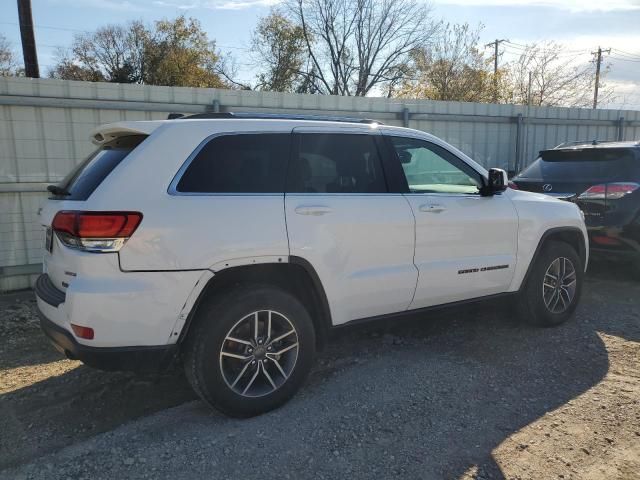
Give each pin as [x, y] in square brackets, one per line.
[315, 210]
[431, 208]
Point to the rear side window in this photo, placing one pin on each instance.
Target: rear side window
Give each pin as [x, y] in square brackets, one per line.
[604, 164]
[336, 163]
[246, 163]
[89, 174]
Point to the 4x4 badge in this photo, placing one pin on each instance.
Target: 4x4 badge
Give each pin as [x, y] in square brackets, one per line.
[547, 187]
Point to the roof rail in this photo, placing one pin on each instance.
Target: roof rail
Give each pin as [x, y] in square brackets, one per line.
[585, 142]
[274, 116]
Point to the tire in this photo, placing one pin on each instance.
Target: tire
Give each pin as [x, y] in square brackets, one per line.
[219, 376]
[541, 302]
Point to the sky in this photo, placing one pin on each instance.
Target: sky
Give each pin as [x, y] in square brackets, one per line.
[580, 25]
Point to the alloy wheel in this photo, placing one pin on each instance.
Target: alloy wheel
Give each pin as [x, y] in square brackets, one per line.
[559, 285]
[259, 353]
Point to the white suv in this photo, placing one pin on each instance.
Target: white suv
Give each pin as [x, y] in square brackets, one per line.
[234, 243]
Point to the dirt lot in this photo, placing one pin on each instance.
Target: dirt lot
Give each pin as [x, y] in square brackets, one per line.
[466, 393]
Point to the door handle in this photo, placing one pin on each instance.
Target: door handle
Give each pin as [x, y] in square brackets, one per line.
[315, 210]
[431, 208]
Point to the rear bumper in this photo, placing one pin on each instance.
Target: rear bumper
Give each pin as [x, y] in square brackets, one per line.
[134, 358]
[615, 241]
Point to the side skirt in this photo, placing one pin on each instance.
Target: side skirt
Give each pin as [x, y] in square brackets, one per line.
[408, 314]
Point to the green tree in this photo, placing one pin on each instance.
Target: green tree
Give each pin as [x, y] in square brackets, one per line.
[451, 68]
[180, 54]
[172, 52]
[279, 47]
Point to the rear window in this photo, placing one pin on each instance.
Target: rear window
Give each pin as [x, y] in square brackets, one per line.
[245, 163]
[81, 182]
[587, 164]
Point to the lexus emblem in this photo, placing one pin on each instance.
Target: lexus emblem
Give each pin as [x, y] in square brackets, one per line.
[547, 187]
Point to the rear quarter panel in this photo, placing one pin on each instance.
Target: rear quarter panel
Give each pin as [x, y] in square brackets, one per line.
[190, 232]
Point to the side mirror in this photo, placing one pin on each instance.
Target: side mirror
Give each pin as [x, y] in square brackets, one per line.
[497, 182]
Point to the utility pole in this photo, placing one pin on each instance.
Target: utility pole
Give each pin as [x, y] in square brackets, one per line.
[28, 39]
[495, 66]
[598, 63]
[529, 89]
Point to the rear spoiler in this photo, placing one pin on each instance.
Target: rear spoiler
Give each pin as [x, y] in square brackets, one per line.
[106, 133]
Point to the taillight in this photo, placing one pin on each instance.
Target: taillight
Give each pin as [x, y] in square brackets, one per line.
[611, 191]
[513, 186]
[95, 231]
[620, 189]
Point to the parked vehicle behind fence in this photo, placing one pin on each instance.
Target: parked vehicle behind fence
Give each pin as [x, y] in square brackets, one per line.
[235, 243]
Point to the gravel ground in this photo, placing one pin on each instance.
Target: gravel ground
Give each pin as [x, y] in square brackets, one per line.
[467, 393]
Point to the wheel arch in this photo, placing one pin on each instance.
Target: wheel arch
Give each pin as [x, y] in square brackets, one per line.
[297, 276]
[571, 235]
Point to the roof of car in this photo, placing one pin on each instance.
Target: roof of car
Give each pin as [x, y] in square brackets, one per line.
[597, 144]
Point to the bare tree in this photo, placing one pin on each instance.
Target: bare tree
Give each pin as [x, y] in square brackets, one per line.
[355, 46]
[8, 62]
[452, 68]
[556, 79]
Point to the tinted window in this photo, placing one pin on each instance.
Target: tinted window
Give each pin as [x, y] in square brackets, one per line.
[251, 163]
[432, 169]
[590, 164]
[88, 175]
[336, 163]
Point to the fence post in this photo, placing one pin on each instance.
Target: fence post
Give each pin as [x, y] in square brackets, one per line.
[405, 117]
[621, 128]
[519, 135]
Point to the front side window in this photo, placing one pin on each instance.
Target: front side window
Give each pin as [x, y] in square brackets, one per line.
[432, 169]
[243, 163]
[336, 163]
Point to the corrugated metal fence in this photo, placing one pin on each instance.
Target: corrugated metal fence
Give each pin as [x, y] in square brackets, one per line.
[45, 127]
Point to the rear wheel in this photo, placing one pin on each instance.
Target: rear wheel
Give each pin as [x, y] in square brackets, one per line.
[250, 350]
[554, 286]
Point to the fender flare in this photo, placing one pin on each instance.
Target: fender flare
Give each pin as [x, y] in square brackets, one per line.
[582, 250]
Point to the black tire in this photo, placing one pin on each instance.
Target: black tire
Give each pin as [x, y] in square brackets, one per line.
[531, 305]
[215, 319]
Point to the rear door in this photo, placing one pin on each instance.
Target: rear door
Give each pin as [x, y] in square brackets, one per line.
[342, 219]
[465, 243]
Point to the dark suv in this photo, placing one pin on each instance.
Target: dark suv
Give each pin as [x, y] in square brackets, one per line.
[603, 179]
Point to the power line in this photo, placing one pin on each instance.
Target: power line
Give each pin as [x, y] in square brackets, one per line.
[625, 59]
[623, 53]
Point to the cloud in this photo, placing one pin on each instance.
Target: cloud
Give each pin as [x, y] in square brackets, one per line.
[215, 4]
[119, 5]
[569, 5]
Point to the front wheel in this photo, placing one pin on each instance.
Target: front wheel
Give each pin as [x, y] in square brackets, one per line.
[250, 350]
[554, 286]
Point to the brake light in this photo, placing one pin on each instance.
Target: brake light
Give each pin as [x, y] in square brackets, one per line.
[513, 186]
[95, 231]
[620, 189]
[611, 191]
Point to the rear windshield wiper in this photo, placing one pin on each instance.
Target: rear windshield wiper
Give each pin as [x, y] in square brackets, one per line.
[56, 190]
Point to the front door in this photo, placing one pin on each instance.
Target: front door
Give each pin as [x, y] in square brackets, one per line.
[465, 243]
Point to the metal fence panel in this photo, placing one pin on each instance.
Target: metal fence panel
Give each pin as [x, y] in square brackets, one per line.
[45, 126]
